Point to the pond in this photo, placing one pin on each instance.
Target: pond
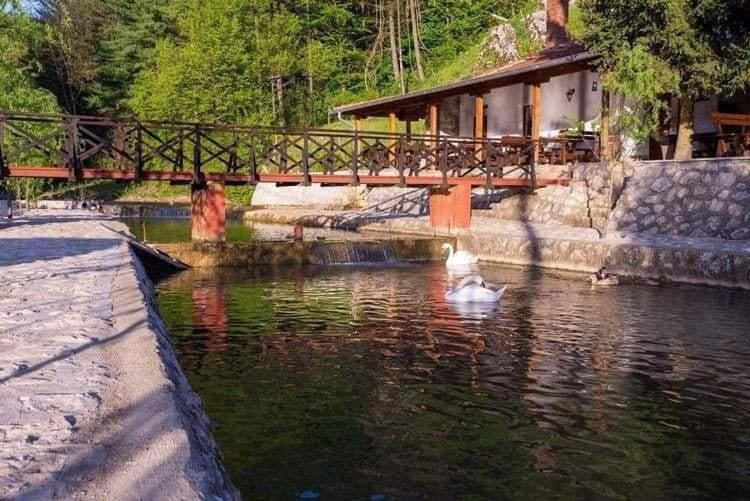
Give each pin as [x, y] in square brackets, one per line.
[363, 383]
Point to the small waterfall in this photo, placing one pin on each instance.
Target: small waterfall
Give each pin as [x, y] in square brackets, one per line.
[353, 252]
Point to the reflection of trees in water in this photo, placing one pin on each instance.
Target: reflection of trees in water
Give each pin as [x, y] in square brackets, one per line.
[413, 391]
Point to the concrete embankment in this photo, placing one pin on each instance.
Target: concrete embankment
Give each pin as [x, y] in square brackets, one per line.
[93, 403]
[307, 252]
[678, 259]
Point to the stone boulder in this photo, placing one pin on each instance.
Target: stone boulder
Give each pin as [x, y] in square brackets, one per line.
[536, 26]
[503, 42]
[500, 48]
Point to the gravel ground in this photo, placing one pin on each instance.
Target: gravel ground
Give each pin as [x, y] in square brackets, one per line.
[93, 404]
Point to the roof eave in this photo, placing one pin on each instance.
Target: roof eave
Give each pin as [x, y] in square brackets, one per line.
[500, 78]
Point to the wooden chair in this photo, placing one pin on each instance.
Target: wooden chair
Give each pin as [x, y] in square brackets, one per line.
[738, 141]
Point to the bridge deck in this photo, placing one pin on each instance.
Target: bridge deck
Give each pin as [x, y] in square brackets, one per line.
[184, 177]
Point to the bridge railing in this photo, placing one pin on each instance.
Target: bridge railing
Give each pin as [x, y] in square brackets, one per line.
[78, 142]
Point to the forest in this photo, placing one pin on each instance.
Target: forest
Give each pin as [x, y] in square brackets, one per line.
[241, 61]
[286, 62]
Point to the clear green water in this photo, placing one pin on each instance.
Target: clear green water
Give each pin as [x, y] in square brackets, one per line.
[176, 230]
[354, 382]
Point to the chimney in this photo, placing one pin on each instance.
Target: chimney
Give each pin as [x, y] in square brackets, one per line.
[557, 22]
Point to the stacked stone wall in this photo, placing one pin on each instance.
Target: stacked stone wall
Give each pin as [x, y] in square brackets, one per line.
[699, 198]
[582, 203]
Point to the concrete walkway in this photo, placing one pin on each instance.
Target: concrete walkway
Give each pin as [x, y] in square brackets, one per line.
[93, 404]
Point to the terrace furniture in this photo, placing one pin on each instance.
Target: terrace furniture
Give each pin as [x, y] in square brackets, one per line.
[737, 142]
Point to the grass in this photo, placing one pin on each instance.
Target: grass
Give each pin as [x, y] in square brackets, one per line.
[151, 191]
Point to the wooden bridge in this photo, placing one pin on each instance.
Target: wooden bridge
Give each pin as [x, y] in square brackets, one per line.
[208, 156]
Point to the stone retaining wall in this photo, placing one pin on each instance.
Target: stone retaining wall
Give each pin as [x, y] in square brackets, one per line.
[698, 198]
[583, 203]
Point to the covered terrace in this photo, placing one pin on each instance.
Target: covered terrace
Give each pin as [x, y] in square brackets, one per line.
[539, 110]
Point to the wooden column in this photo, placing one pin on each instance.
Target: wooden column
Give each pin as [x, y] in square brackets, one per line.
[478, 126]
[434, 124]
[408, 127]
[392, 123]
[536, 117]
[208, 212]
[604, 146]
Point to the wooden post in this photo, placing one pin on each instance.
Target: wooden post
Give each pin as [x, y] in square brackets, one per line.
[392, 122]
[355, 152]
[478, 126]
[604, 146]
[392, 130]
[408, 128]
[536, 117]
[434, 124]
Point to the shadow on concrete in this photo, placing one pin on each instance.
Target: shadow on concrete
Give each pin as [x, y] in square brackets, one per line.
[94, 343]
[14, 251]
[22, 220]
[412, 204]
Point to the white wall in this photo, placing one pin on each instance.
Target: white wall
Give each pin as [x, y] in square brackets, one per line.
[466, 116]
[505, 106]
[585, 104]
[505, 110]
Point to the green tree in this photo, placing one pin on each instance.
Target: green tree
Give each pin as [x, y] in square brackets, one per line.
[653, 48]
[72, 31]
[126, 46]
[221, 62]
[19, 35]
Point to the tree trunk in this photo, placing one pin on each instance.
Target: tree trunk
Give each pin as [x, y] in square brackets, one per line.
[395, 50]
[415, 38]
[684, 147]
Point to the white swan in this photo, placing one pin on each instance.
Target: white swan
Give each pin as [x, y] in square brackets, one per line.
[459, 258]
[472, 289]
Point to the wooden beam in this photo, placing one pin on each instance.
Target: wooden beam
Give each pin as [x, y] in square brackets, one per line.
[536, 117]
[392, 122]
[479, 126]
[186, 177]
[604, 146]
[434, 123]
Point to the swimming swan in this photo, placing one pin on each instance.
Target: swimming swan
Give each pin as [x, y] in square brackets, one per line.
[472, 289]
[459, 258]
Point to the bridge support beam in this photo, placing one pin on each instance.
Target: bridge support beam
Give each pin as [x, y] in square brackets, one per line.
[208, 211]
[450, 207]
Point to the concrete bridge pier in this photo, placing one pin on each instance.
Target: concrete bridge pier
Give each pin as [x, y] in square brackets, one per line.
[208, 211]
[450, 207]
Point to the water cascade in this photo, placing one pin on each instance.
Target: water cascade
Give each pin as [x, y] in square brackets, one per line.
[352, 252]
